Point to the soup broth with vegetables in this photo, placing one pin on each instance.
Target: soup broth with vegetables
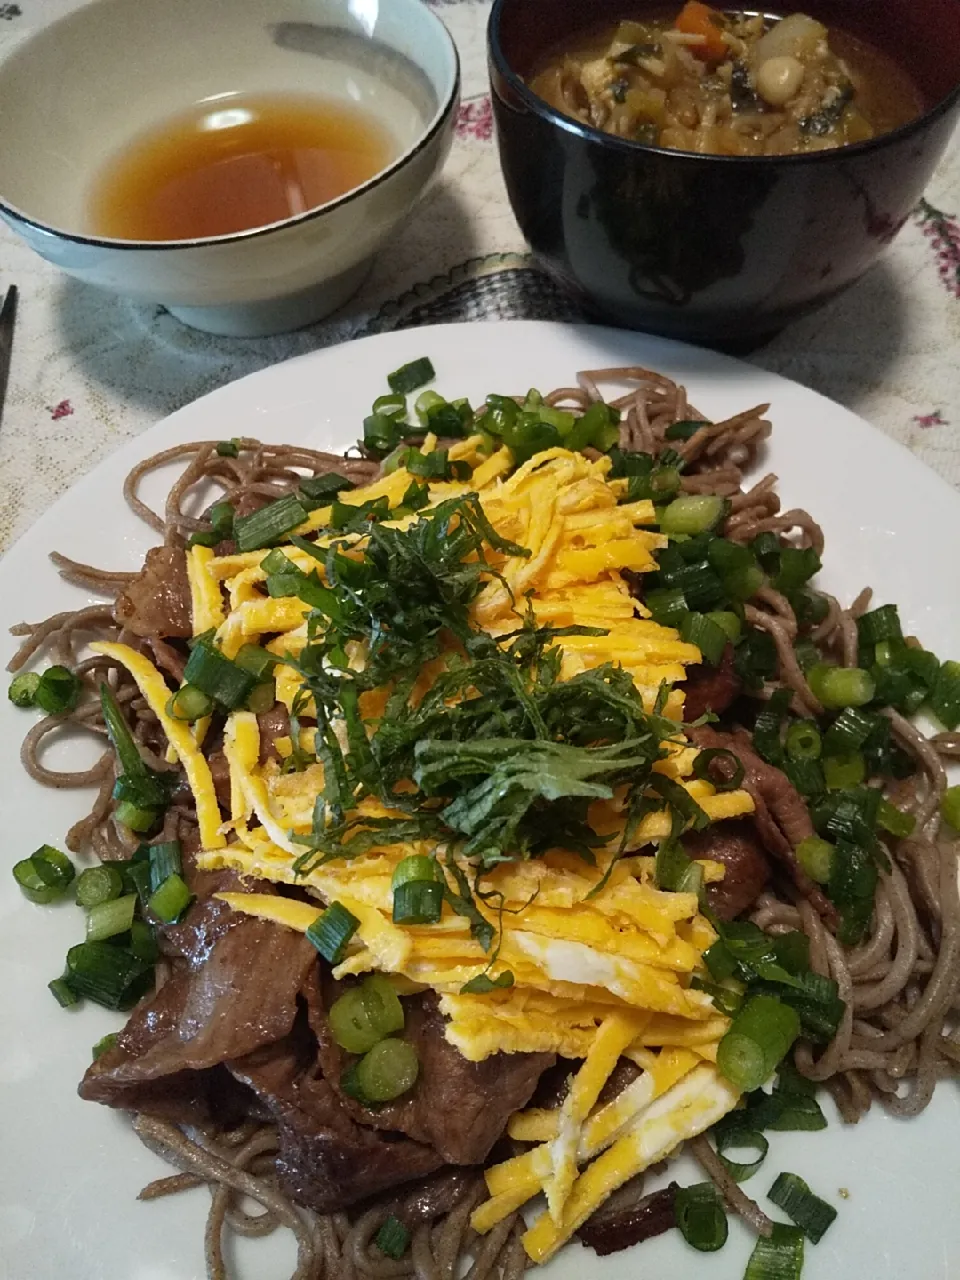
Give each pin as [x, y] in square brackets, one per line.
[729, 83]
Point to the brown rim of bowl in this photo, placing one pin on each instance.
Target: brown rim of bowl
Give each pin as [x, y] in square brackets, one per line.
[235, 237]
[630, 147]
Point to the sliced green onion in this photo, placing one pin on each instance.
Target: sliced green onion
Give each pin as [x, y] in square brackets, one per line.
[803, 740]
[58, 691]
[949, 808]
[32, 886]
[189, 703]
[134, 816]
[700, 1217]
[271, 522]
[841, 772]
[816, 858]
[807, 654]
[841, 686]
[739, 1137]
[806, 776]
[143, 942]
[104, 1044]
[136, 876]
[165, 859]
[849, 731]
[811, 1214]
[53, 867]
[217, 676]
[777, 1257]
[262, 697]
[894, 820]
[699, 584]
[110, 918]
[412, 376]
[879, 625]
[120, 736]
[730, 776]
[393, 1238]
[171, 899]
[106, 974]
[728, 622]
[319, 491]
[759, 1037]
[418, 867]
[203, 538]
[945, 695]
[380, 433]
[228, 449]
[365, 1015]
[221, 516]
[768, 725]
[332, 930]
[258, 661]
[684, 430]
[63, 993]
[100, 884]
[797, 566]
[417, 902]
[693, 513]
[388, 1070]
[725, 555]
[23, 689]
[767, 548]
[852, 886]
[710, 639]
[667, 605]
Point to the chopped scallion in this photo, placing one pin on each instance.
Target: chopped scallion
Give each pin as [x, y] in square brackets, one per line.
[739, 1137]
[417, 902]
[393, 1238]
[759, 1037]
[217, 676]
[332, 930]
[777, 1257]
[701, 1217]
[32, 886]
[838, 687]
[710, 639]
[894, 820]
[63, 993]
[412, 376]
[728, 622]
[365, 1015]
[879, 625]
[228, 449]
[728, 777]
[23, 689]
[143, 942]
[388, 1070]
[171, 899]
[53, 867]
[165, 859]
[134, 816]
[816, 858]
[271, 522]
[189, 703]
[106, 974]
[107, 919]
[693, 513]
[841, 772]
[949, 808]
[58, 691]
[97, 885]
[803, 740]
[255, 659]
[945, 695]
[811, 1214]
[104, 1044]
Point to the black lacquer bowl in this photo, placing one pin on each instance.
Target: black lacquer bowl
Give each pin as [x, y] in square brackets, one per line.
[714, 249]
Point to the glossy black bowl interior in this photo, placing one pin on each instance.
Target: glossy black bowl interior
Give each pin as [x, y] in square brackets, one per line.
[714, 249]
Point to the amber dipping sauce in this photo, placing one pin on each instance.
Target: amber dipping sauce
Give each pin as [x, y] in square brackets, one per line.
[236, 163]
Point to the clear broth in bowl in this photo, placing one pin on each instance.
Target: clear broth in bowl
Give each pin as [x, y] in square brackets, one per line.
[233, 164]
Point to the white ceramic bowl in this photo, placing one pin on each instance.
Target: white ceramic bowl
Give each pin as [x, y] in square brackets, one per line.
[82, 88]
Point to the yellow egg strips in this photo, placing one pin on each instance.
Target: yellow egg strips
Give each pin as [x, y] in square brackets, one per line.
[601, 964]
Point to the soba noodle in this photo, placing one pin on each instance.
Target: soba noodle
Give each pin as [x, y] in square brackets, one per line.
[900, 985]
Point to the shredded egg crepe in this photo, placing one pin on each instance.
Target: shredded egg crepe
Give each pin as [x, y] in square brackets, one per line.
[601, 959]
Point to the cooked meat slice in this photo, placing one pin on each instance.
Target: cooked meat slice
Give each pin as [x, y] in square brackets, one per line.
[220, 772]
[274, 724]
[459, 1107]
[242, 996]
[709, 688]
[611, 1229]
[781, 817]
[737, 845]
[157, 601]
[326, 1159]
[620, 1078]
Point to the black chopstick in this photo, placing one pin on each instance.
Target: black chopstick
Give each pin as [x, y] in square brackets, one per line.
[8, 318]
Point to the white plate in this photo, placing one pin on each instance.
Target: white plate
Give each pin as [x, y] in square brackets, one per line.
[69, 1171]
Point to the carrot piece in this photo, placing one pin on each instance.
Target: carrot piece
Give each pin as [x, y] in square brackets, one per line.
[697, 19]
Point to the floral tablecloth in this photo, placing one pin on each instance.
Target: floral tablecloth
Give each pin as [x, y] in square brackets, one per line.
[90, 370]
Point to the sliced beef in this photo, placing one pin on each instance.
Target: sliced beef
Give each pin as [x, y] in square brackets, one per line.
[709, 688]
[458, 1107]
[157, 601]
[780, 816]
[611, 1229]
[274, 724]
[326, 1159]
[737, 845]
[243, 996]
[220, 772]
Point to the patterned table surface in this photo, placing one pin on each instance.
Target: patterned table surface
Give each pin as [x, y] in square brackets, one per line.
[91, 370]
